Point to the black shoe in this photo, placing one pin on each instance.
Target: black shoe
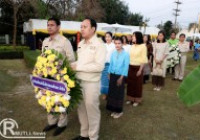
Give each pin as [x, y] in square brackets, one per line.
[59, 130]
[174, 79]
[49, 127]
[180, 80]
[81, 138]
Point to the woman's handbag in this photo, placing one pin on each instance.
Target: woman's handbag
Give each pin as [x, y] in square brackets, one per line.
[157, 70]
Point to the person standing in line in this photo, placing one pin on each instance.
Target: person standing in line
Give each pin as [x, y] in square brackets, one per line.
[63, 46]
[110, 47]
[129, 37]
[89, 66]
[184, 49]
[138, 57]
[173, 42]
[191, 44]
[160, 53]
[196, 50]
[126, 46]
[148, 66]
[118, 70]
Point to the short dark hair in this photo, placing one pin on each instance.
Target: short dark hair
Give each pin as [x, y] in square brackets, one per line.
[93, 23]
[139, 38]
[118, 38]
[57, 21]
[125, 38]
[164, 39]
[173, 32]
[182, 35]
[109, 34]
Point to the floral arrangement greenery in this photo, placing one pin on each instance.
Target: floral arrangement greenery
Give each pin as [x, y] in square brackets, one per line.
[52, 65]
[172, 61]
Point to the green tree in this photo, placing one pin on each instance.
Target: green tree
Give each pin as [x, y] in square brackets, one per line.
[160, 26]
[135, 19]
[116, 11]
[193, 26]
[25, 11]
[168, 27]
[89, 8]
[15, 5]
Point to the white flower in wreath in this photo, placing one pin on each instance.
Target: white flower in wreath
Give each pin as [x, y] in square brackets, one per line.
[62, 109]
[48, 99]
[39, 95]
[57, 98]
[173, 47]
[67, 97]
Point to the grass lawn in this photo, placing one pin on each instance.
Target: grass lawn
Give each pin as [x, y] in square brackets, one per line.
[161, 116]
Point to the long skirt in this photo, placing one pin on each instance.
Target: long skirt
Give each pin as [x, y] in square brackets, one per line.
[134, 84]
[105, 80]
[115, 96]
[158, 81]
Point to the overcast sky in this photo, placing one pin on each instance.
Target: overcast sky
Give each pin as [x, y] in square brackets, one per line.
[161, 10]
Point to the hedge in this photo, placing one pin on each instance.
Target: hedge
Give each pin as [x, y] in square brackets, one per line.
[11, 54]
[8, 52]
[30, 57]
[18, 48]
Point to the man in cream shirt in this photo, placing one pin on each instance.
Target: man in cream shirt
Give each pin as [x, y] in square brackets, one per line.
[57, 42]
[63, 46]
[90, 64]
[184, 48]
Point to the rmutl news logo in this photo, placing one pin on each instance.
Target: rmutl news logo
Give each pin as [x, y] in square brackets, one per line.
[9, 130]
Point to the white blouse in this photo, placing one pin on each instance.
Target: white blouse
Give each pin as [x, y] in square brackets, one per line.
[127, 48]
[184, 47]
[110, 48]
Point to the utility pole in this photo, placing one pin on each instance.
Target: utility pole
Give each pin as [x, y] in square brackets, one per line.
[161, 25]
[176, 14]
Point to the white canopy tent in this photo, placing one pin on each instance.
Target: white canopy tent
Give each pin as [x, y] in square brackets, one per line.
[34, 26]
[116, 28]
[196, 35]
[72, 27]
[186, 32]
[189, 34]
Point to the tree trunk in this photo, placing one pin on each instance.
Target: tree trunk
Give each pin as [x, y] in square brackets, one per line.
[15, 26]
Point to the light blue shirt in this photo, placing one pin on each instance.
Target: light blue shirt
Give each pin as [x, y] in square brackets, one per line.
[119, 63]
[197, 46]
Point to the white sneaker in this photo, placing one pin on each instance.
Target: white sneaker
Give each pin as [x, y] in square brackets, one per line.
[155, 89]
[112, 114]
[117, 115]
[135, 104]
[158, 89]
[128, 102]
